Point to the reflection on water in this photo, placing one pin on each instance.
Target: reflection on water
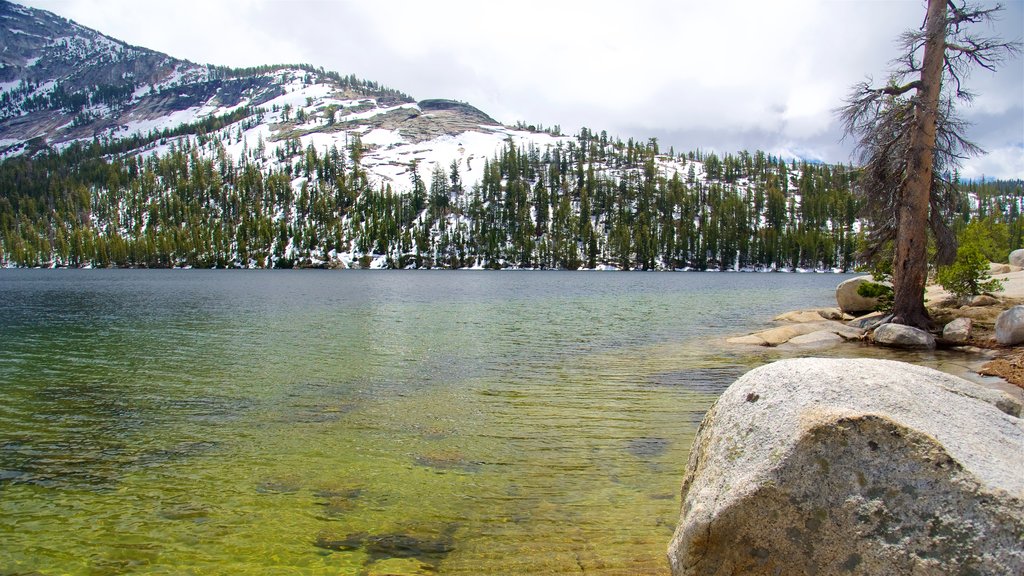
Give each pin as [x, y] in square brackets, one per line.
[310, 422]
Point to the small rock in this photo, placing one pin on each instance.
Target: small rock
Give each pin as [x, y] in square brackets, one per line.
[900, 336]
[834, 314]
[1010, 326]
[819, 339]
[1017, 258]
[799, 316]
[994, 268]
[984, 300]
[846, 332]
[783, 334]
[848, 299]
[868, 320]
[958, 331]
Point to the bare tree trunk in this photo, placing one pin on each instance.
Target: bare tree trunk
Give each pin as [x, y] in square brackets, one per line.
[910, 267]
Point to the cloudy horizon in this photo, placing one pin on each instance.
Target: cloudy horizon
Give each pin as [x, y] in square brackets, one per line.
[723, 76]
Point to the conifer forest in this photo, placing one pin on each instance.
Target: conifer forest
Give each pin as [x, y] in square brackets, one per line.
[589, 202]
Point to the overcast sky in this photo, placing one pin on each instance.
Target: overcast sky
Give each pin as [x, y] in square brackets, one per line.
[722, 75]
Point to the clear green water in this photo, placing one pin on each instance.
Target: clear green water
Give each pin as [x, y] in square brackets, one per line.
[312, 422]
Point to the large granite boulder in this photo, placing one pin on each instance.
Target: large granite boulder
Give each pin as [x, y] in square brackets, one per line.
[828, 466]
[1017, 258]
[849, 301]
[900, 336]
[1010, 326]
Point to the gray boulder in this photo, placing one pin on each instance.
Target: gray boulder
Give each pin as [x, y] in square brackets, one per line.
[849, 301]
[1010, 326]
[994, 268]
[958, 331]
[1017, 258]
[984, 300]
[826, 466]
[814, 340]
[900, 336]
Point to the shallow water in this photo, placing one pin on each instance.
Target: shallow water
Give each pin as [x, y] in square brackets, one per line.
[317, 422]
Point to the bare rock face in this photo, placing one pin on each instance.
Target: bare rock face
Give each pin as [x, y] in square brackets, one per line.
[900, 336]
[825, 466]
[1010, 326]
[849, 301]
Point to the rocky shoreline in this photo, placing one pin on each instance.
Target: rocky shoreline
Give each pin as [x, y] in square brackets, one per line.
[865, 465]
[969, 328]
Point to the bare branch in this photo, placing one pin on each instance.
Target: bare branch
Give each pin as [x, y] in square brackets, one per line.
[984, 52]
[969, 14]
[899, 90]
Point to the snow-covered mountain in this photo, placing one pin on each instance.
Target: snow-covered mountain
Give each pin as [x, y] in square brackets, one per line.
[62, 83]
[199, 165]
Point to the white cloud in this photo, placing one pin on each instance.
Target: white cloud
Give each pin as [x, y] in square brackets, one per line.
[710, 74]
[1006, 162]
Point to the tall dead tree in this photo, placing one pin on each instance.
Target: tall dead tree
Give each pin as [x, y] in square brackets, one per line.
[909, 139]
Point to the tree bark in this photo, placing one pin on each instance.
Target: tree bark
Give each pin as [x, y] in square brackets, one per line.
[910, 266]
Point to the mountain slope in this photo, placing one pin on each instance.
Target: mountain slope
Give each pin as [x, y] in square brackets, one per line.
[118, 155]
[61, 83]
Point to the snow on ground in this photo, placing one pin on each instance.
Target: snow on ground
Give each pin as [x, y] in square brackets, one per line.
[141, 91]
[470, 149]
[296, 95]
[170, 121]
[323, 141]
[383, 138]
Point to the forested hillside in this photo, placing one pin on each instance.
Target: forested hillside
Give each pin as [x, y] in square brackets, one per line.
[587, 202]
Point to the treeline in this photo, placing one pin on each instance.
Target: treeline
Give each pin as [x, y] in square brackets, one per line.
[21, 99]
[350, 81]
[588, 203]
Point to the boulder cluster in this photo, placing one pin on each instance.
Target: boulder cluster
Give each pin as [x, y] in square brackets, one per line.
[855, 318]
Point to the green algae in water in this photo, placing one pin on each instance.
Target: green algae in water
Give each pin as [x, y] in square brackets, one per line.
[170, 422]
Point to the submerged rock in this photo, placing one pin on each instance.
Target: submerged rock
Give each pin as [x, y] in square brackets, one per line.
[429, 549]
[446, 460]
[647, 447]
[279, 485]
[825, 466]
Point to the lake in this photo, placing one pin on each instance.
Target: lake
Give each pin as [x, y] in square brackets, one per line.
[360, 422]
